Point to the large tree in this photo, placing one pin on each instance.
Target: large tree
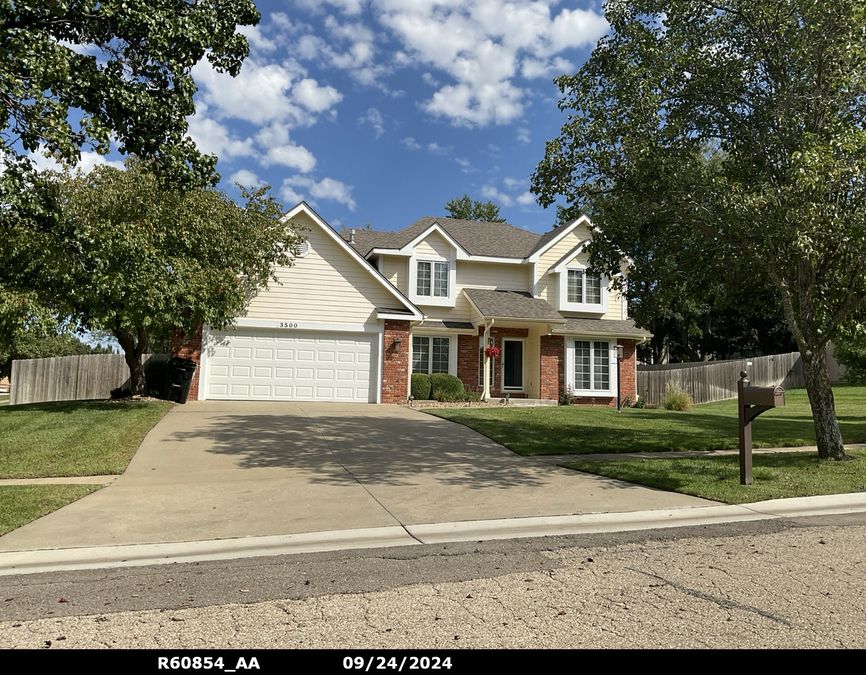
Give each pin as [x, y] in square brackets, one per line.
[731, 131]
[88, 73]
[464, 208]
[134, 257]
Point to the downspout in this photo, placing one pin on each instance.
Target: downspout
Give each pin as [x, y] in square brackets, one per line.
[485, 396]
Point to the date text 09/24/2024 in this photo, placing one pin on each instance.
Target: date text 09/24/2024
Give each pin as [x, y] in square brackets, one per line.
[357, 663]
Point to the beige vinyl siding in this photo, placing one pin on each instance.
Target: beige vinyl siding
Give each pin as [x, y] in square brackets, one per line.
[328, 285]
[396, 270]
[462, 310]
[547, 282]
[434, 245]
[532, 362]
[493, 276]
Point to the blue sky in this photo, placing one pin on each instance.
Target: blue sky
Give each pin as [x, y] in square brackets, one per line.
[380, 111]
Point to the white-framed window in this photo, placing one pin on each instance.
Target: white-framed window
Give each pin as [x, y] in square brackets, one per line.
[581, 290]
[591, 367]
[431, 282]
[431, 354]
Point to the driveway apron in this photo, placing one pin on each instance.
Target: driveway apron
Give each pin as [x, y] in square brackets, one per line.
[218, 469]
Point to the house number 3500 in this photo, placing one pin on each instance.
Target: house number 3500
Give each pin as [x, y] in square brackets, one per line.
[288, 324]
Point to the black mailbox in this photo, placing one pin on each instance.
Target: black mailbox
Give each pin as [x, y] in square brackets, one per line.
[751, 402]
[773, 397]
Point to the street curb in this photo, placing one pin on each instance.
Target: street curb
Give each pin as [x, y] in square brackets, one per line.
[136, 555]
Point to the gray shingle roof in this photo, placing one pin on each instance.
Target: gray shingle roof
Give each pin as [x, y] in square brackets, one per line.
[497, 240]
[625, 328]
[512, 305]
[452, 325]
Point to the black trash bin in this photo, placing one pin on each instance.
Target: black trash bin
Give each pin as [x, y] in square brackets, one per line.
[180, 372]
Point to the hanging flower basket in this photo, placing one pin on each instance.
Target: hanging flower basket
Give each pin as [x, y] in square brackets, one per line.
[492, 352]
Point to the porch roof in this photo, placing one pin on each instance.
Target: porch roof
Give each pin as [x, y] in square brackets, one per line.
[606, 327]
[512, 305]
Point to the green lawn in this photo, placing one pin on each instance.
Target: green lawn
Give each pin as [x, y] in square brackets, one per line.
[775, 475]
[19, 504]
[711, 426]
[74, 438]
[4, 399]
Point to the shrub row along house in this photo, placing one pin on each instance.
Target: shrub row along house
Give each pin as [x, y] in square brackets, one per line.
[361, 310]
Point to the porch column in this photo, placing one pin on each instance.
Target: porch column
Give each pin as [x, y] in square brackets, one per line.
[485, 395]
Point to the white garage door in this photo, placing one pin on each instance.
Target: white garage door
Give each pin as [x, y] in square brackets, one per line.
[279, 365]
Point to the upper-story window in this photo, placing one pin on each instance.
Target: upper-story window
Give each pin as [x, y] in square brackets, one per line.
[581, 290]
[432, 279]
[584, 287]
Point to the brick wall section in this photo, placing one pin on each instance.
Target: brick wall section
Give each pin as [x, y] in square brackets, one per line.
[395, 362]
[628, 370]
[188, 347]
[467, 362]
[552, 366]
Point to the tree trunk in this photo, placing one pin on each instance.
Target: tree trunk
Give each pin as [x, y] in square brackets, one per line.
[132, 354]
[827, 432]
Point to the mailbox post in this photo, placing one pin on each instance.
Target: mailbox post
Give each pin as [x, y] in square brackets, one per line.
[751, 402]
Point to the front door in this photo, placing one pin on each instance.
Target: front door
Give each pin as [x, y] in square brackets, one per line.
[512, 365]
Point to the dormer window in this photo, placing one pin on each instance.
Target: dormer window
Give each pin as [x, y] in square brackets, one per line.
[432, 279]
[584, 287]
[581, 290]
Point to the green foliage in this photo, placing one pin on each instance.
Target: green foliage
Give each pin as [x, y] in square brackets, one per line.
[134, 257]
[676, 399]
[447, 388]
[421, 387]
[112, 68]
[726, 143]
[850, 350]
[29, 331]
[463, 208]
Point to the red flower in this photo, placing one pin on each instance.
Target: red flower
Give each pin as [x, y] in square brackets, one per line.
[492, 352]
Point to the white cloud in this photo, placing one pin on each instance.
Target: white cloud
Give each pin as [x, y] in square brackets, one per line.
[256, 37]
[410, 143]
[85, 164]
[315, 98]
[374, 118]
[327, 188]
[512, 182]
[437, 149]
[293, 156]
[246, 178]
[484, 46]
[525, 199]
[214, 138]
[502, 199]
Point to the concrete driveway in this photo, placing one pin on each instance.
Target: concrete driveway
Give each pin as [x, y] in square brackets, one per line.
[215, 470]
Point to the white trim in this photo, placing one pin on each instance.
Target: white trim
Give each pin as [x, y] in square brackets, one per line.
[381, 362]
[452, 352]
[502, 386]
[565, 229]
[202, 363]
[570, 372]
[394, 317]
[289, 324]
[409, 248]
[331, 232]
[489, 259]
[432, 300]
[562, 303]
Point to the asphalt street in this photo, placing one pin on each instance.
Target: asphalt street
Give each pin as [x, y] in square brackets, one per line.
[785, 583]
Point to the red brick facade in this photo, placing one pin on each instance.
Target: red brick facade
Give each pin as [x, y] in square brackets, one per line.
[188, 347]
[395, 362]
[552, 366]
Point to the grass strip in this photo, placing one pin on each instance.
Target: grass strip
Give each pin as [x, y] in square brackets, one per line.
[776, 475]
[20, 504]
[710, 426]
[74, 438]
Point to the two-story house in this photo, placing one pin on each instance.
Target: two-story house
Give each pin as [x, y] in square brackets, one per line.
[359, 311]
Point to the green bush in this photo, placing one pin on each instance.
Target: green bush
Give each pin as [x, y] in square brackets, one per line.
[676, 399]
[421, 386]
[852, 355]
[640, 403]
[447, 388]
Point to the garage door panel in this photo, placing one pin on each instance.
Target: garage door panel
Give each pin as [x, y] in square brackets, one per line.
[264, 364]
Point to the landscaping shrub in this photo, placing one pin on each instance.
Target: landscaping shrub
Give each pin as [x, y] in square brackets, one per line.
[676, 399]
[640, 403]
[447, 388]
[421, 386]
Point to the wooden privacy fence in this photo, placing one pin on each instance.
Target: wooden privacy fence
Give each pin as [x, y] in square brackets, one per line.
[69, 378]
[717, 380]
